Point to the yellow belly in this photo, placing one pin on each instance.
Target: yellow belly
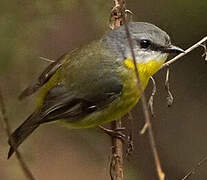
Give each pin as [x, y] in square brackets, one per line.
[127, 100]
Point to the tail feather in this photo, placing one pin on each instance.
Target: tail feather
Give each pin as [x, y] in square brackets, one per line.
[22, 132]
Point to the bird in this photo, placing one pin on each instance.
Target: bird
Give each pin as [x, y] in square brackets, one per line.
[96, 83]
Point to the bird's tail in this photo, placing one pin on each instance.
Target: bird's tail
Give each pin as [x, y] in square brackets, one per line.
[22, 132]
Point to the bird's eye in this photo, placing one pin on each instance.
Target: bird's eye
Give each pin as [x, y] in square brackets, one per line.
[145, 43]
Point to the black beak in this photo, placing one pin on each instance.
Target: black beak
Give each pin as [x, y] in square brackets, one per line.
[173, 49]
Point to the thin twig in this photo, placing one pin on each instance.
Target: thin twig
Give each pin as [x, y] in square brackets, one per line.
[199, 43]
[205, 51]
[47, 60]
[118, 12]
[151, 99]
[169, 98]
[7, 128]
[116, 166]
[150, 104]
[194, 169]
[160, 172]
[144, 128]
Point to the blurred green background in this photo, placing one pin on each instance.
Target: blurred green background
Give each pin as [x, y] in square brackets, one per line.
[49, 28]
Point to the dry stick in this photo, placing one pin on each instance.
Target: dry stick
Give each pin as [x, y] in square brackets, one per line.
[205, 51]
[117, 15]
[116, 166]
[193, 170]
[199, 43]
[7, 128]
[47, 60]
[151, 99]
[160, 173]
[169, 98]
[150, 104]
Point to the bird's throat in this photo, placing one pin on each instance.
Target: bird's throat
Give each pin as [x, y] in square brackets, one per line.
[145, 69]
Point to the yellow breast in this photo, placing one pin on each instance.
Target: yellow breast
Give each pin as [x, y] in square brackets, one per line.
[131, 94]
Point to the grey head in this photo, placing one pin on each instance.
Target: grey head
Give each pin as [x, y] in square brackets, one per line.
[149, 42]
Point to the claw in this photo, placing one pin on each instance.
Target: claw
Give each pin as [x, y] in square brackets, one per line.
[114, 133]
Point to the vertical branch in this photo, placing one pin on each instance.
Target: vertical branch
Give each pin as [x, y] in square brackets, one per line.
[7, 128]
[117, 16]
[116, 165]
[117, 19]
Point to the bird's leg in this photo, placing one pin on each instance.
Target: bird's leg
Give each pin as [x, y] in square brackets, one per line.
[118, 133]
[114, 133]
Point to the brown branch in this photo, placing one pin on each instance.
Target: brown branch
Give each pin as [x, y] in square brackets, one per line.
[116, 165]
[117, 16]
[7, 128]
[117, 19]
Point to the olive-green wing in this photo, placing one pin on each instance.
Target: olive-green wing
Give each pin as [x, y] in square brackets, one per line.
[43, 78]
[72, 106]
[89, 83]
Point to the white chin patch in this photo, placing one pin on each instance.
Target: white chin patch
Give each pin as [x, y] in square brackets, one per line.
[145, 56]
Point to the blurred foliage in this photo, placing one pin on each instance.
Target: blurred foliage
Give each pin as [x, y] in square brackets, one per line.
[30, 29]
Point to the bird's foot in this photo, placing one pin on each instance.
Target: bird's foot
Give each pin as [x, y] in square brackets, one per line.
[118, 133]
